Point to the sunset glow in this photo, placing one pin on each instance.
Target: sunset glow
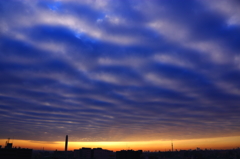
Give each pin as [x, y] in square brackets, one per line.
[206, 143]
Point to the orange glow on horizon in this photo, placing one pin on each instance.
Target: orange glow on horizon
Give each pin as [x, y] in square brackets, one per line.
[209, 143]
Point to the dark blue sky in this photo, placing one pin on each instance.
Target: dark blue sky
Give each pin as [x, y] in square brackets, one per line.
[117, 70]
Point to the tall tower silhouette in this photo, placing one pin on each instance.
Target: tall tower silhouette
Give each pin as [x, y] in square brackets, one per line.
[66, 143]
[172, 146]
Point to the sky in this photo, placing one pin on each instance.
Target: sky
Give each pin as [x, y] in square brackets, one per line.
[120, 72]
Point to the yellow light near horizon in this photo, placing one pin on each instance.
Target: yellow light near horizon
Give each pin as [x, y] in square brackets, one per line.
[209, 143]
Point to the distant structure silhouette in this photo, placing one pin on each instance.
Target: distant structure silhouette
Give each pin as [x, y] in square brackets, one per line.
[8, 152]
[8, 144]
[66, 143]
[129, 154]
[96, 153]
[172, 146]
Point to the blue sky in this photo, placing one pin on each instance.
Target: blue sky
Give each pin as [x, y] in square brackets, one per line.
[115, 70]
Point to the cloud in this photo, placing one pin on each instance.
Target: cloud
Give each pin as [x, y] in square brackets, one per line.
[119, 71]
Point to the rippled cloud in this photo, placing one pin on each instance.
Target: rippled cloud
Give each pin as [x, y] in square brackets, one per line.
[119, 70]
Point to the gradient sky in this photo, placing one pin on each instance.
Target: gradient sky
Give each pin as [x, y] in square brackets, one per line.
[119, 70]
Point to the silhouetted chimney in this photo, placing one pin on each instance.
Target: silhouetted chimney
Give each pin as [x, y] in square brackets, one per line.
[66, 143]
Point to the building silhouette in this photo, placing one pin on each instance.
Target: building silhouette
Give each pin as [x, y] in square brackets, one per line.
[129, 154]
[8, 152]
[96, 153]
[99, 153]
[83, 153]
